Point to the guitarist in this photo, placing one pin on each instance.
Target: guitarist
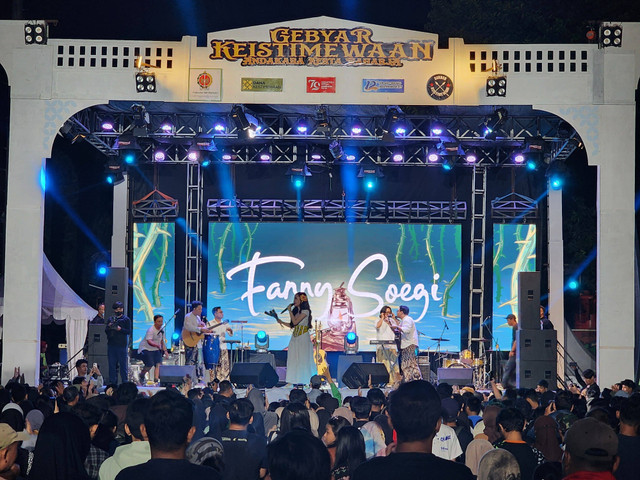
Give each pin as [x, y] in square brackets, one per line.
[193, 323]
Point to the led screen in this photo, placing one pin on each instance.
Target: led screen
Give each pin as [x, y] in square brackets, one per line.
[349, 271]
[514, 251]
[153, 276]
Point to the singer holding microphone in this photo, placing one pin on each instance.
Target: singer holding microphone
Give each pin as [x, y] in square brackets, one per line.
[300, 365]
[152, 348]
[387, 354]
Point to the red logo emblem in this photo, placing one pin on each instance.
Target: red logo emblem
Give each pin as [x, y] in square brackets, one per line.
[204, 80]
[321, 84]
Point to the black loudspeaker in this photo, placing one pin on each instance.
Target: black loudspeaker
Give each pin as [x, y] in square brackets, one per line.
[174, 374]
[536, 345]
[529, 373]
[255, 357]
[260, 375]
[357, 375]
[116, 289]
[96, 340]
[344, 362]
[455, 376]
[529, 300]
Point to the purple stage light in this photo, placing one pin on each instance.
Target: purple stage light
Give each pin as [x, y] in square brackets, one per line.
[471, 157]
[350, 157]
[159, 156]
[220, 127]
[433, 157]
[398, 157]
[226, 156]
[302, 129]
[193, 156]
[316, 156]
[166, 127]
[107, 126]
[265, 157]
[519, 158]
[400, 131]
[356, 130]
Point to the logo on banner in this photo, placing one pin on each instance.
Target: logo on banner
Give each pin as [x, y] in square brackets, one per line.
[379, 85]
[261, 85]
[205, 84]
[315, 47]
[321, 84]
[439, 87]
[204, 80]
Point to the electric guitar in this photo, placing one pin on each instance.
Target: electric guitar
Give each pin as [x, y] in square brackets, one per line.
[191, 339]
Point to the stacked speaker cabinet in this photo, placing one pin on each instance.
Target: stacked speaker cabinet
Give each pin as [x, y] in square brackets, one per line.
[97, 349]
[536, 357]
[359, 374]
[116, 289]
[260, 375]
[529, 300]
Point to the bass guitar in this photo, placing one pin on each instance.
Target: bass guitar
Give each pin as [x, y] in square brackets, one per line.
[191, 339]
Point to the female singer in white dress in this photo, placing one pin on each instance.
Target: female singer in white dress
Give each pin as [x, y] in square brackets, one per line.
[300, 366]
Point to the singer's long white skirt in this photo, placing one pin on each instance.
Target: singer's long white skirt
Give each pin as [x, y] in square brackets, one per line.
[300, 365]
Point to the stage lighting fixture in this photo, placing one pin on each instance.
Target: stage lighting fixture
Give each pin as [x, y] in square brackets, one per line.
[350, 154]
[493, 122]
[432, 155]
[166, 126]
[175, 339]
[226, 156]
[128, 148]
[265, 155]
[448, 163]
[518, 158]
[146, 82]
[356, 127]
[113, 172]
[471, 156]
[316, 154]
[531, 164]
[397, 155]
[36, 33]
[437, 129]
[298, 172]
[204, 159]
[572, 284]
[107, 124]
[400, 130]
[101, 270]
[159, 155]
[496, 86]
[302, 126]
[450, 149]
[370, 175]
[243, 122]
[390, 119]
[336, 150]
[219, 127]
[351, 343]
[261, 342]
[322, 120]
[610, 36]
[556, 173]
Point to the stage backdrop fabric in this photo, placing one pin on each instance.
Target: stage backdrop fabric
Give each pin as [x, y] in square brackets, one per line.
[349, 271]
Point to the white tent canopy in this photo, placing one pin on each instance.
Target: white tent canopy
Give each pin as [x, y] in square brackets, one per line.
[60, 304]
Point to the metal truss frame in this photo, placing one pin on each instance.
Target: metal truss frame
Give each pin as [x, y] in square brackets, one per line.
[336, 210]
[514, 207]
[286, 146]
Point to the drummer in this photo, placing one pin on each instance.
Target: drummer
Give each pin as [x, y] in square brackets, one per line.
[152, 348]
[221, 369]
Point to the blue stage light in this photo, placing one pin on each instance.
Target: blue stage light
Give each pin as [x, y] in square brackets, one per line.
[129, 158]
[572, 284]
[43, 179]
[298, 182]
[351, 338]
[102, 270]
[531, 165]
[110, 179]
[175, 336]
[555, 182]
[261, 336]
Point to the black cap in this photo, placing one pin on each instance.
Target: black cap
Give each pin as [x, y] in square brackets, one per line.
[588, 373]
[118, 305]
[543, 383]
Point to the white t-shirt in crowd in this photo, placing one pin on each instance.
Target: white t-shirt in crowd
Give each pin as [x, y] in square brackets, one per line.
[445, 443]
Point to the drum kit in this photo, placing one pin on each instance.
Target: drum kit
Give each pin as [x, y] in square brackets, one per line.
[482, 363]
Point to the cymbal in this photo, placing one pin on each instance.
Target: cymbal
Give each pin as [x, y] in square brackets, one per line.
[439, 339]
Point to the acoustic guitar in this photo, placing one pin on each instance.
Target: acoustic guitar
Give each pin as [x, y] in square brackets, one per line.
[191, 339]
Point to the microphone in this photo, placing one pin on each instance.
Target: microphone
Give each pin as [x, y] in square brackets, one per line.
[286, 308]
[486, 320]
[445, 324]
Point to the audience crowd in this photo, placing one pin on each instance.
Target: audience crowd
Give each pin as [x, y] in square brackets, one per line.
[418, 431]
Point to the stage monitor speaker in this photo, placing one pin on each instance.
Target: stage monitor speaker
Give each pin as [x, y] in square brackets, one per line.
[537, 345]
[529, 300]
[96, 340]
[116, 289]
[260, 375]
[357, 375]
[255, 357]
[529, 373]
[344, 362]
[174, 374]
[455, 376]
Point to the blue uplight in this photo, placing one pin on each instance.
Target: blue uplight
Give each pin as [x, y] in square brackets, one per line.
[175, 336]
[555, 182]
[531, 165]
[130, 158]
[572, 285]
[261, 336]
[351, 338]
[43, 179]
[102, 270]
[298, 183]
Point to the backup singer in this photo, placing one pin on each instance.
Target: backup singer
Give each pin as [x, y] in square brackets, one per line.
[221, 371]
[300, 365]
[409, 345]
[387, 354]
[118, 329]
[152, 348]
